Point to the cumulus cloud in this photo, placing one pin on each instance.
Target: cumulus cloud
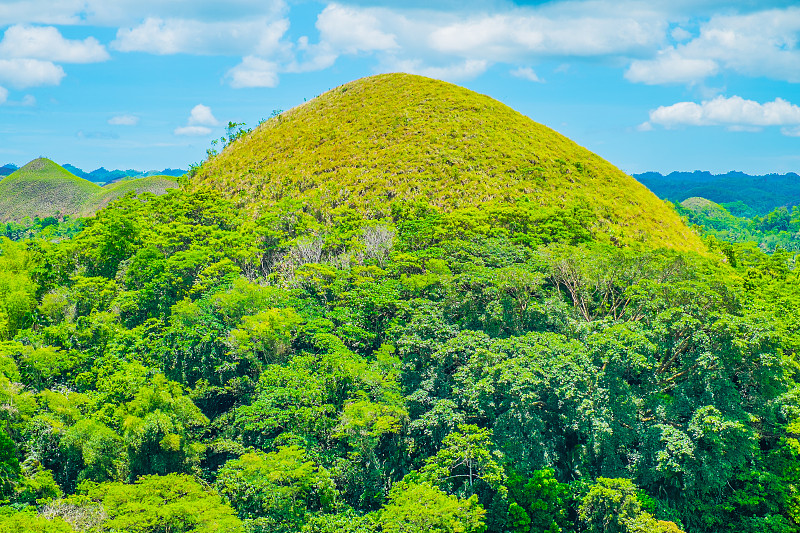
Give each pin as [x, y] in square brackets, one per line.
[124, 120]
[734, 112]
[47, 43]
[680, 34]
[192, 130]
[526, 73]
[763, 43]
[185, 36]
[510, 36]
[200, 118]
[669, 66]
[352, 29]
[455, 72]
[201, 115]
[421, 40]
[22, 73]
[453, 41]
[126, 12]
[253, 72]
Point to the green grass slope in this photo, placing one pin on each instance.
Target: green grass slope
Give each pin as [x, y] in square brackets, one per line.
[152, 184]
[43, 188]
[704, 206]
[400, 137]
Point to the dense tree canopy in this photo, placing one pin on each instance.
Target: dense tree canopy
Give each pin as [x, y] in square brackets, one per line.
[177, 366]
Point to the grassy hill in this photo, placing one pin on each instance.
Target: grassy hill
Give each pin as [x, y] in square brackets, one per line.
[705, 206]
[152, 184]
[377, 141]
[43, 188]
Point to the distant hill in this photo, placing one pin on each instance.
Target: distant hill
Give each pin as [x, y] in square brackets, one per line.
[395, 139]
[101, 175]
[760, 193]
[43, 188]
[5, 170]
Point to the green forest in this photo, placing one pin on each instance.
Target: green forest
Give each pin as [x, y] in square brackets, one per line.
[326, 360]
[177, 366]
[777, 229]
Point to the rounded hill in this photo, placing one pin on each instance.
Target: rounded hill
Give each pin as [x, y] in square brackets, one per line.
[403, 138]
[43, 188]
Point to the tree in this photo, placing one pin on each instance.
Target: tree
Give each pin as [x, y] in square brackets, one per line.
[466, 457]
[423, 508]
[155, 504]
[279, 487]
[613, 506]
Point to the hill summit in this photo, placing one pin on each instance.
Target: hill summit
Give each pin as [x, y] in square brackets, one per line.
[392, 138]
[43, 188]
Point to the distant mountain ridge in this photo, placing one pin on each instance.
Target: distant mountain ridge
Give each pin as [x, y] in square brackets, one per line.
[7, 169]
[762, 193]
[102, 175]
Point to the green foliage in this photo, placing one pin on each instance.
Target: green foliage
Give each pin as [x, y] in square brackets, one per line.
[613, 506]
[175, 503]
[778, 229]
[421, 507]
[31, 522]
[278, 488]
[440, 365]
[36, 488]
[539, 503]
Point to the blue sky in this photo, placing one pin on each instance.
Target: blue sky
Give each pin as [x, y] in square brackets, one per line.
[650, 85]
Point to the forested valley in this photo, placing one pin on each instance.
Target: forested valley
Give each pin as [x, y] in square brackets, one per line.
[178, 366]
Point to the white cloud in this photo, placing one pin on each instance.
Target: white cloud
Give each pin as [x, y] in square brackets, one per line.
[3, 95]
[201, 116]
[192, 130]
[48, 44]
[352, 29]
[763, 43]
[253, 72]
[421, 40]
[680, 34]
[734, 112]
[125, 12]
[124, 120]
[458, 71]
[184, 36]
[526, 73]
[670, 67]
[22, 73]
[28, 100]
[507, 37]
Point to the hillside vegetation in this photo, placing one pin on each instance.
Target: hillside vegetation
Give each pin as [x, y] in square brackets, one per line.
[205, 362]
[381, 141]
[740, 193]
[43, 188]
[778, 229]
